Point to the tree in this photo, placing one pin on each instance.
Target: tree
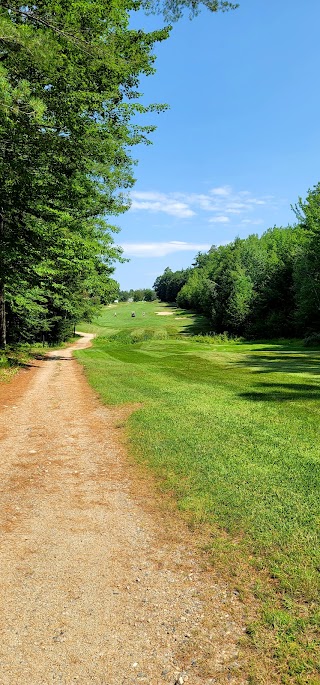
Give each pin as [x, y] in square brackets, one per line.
[169, 284]
[69, 76]
[307, 266]
[252, 286]
[173, 9]
[273, 310]
[149, 295]
[138, 295]
[124, 295]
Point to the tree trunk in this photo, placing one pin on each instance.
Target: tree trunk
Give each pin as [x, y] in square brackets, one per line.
[3, 324]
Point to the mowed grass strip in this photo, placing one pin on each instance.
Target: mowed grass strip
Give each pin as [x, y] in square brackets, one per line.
[232, 430]
[148, 315]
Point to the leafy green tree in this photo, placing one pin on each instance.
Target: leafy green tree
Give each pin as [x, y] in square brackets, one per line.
[239, 300]
[149, 295]
[250, 286]
[307, 266]
[124, 295]
[161, 284]
[198, 293]
[169, 284]
[174, 9]
[69, 76]
[138, 295]
[273, 311]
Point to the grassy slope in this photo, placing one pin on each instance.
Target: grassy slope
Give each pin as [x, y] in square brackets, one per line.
[232, 429]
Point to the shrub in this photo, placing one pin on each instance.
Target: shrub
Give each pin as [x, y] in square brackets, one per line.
[216, 338]
[312, 340]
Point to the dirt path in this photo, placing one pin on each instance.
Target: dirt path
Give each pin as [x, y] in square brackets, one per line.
[95, 589]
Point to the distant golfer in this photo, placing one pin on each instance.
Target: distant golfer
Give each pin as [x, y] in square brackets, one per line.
[133, 313]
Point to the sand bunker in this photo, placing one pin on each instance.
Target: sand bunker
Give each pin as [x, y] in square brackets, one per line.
[164, 313]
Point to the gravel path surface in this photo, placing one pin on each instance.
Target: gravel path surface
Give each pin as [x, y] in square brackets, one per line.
[97, 588]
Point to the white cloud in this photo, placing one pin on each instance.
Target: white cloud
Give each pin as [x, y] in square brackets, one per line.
[159, 202]
[219, 219]
[236, 206]
[252, 222]
[222, 202]
[162, 249]
[223, 191]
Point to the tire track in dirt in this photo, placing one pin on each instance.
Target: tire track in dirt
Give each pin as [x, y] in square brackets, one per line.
[95, 588]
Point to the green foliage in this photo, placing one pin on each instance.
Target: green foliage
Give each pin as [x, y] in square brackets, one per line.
[69, 74]
[139, 295]
[312, 340]
[69, 92]
[150, 295]
[215, 338]
[257, 287]
[307, 266]
[169, 284]
[174, 9]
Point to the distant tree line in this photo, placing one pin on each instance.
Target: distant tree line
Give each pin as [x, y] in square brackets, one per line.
[266, 286]
[139, 295]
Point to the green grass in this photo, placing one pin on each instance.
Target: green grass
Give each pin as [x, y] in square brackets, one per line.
[118, 318]
[232, 429]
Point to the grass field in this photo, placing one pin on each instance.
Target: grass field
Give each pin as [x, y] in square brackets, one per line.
[232, 429]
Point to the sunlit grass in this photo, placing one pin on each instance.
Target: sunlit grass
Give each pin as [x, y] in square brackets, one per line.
[117, 317]
[233, 430]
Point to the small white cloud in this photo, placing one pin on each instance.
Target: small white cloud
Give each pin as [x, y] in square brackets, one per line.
[220, 219]
[159, 202]
[162, 249]
[223, 191]
[147, 195]
[252, 222]
[236, 205]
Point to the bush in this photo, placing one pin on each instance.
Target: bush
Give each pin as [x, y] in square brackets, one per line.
[312, 340]
[216, 338]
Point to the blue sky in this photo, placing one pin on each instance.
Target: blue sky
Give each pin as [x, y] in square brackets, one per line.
[241, 141]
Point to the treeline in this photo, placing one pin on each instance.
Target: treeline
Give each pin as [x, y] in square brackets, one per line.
[266, 286]
[146, 294]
